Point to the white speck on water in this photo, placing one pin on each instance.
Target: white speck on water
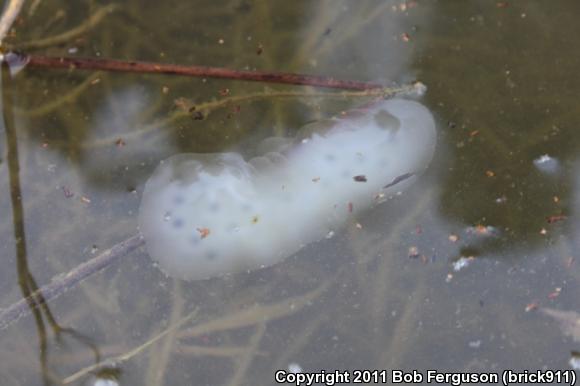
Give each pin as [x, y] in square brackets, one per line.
[574, 362]
[104, 382]
[462, 263]
[547, 164]
[294, 368]
[475, 343]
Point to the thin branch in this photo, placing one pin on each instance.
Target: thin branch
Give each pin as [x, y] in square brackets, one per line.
[61, 284]
[104, 64]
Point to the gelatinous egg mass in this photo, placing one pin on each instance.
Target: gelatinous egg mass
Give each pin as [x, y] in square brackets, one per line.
[206, 215]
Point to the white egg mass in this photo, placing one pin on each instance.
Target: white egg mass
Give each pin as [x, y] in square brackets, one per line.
[206, 215]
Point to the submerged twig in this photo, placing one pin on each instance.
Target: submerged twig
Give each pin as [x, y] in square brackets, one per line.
[194, 71]
[60, 285]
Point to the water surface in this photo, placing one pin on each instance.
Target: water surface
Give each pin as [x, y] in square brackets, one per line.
[77, 148]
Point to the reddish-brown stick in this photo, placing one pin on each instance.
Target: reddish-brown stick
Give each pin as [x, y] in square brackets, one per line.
[195, 71]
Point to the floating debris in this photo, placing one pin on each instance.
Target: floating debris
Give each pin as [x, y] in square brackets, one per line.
[531, 307]
[547, 164]
[67, 192]
[482, 230]
[413, 252]
[475, 343]
[554, 294]
[463, 262]
[203, 232]
[453, 238]
[501, 200]
[556, 218]
[399, 179]
[380, 197]
[574, 361]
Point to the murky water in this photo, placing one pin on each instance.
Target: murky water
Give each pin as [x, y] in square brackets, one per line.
[472, 269]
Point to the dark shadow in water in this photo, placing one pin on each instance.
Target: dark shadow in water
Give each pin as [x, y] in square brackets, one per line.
[26, 281]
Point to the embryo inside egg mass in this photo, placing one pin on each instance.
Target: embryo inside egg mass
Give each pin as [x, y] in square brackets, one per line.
[206, 215]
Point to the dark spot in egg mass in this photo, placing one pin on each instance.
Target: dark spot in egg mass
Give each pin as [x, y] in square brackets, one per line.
[178, 200]
[329, 157]
[178, 223]
[214, 207]
[211, 255]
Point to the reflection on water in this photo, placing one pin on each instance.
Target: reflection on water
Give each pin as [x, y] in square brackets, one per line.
[460, 264]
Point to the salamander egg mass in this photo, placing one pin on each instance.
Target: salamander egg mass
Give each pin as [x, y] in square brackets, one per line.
[206, 215]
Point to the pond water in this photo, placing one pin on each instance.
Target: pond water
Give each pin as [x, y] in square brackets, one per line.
[474, 268]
